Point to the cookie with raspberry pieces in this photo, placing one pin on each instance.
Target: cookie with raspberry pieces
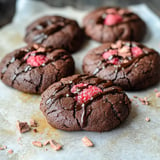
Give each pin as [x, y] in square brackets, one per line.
[34, 68]
[130, 65]
[82, 102]
[109, 24]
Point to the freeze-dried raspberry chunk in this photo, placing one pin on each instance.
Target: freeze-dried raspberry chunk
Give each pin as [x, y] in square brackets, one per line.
[112, 19]
[109, 53]
[35, 60]
[136, 51]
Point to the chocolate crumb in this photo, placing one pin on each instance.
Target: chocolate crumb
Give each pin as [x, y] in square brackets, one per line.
[147, 119]
[46, 143]
[35, 130]
[158, 94]
[33, 123]
[37, 143]
[87, 142]
[23, 127]
[10, 151]
[56, 146]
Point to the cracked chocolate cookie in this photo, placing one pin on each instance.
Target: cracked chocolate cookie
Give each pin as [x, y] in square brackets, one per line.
[130, 65]
[55, 32]
[109, 24]
[82, 102]
[33, 68]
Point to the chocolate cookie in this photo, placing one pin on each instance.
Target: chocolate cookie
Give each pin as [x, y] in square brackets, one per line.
[32, 69]
[130, 65]
[55, 32]
[109, 24]
[82, 102]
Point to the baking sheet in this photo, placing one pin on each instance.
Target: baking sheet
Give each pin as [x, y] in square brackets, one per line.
[134, 139]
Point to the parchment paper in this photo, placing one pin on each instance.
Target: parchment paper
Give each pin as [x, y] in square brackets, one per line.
[134, 139]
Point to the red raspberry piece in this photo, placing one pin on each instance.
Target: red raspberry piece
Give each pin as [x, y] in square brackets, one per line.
[136, 51]
[75, 88]
[114, 61]
[35, 60]
[112, 19]
[87, 93]
[109, 53]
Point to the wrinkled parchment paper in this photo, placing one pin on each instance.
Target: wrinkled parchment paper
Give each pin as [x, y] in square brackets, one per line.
[134, 139]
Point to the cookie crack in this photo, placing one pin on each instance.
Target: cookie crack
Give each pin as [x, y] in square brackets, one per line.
[58, 71]
[74, 115]
[40, 83]
[50, 101]
[124, 96]
[113, 110]
[17, 74]
[83, 116]
[46, 33]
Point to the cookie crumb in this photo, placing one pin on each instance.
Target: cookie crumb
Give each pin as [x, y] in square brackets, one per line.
[23, 126]
[158, 94]
[56, 146]
[33, 123]
[131, 99]
[35, 130]
[144, 100]
[147, 119]
[155, 90]
[37, 143]
[2, 148]
[10, 151]
[46, 143]
[87, 142]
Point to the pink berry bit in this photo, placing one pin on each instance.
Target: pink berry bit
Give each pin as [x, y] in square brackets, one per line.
[23, 126]
[147, 119]
[158, 94]
[87, 93]
[37, 143]
[33, 123]
[136, 51]
[76, 88]
[114, 61]
[46, 143]
[155, 90]
[56, 146]
[10, 151]
[87, 142]
[112, 19]
[109, 53]
[35, 60]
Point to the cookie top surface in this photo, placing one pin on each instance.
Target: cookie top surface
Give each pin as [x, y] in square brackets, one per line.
[33, 68]
[82, 102]
[55, 32]
[109, 24]
[128, 64]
